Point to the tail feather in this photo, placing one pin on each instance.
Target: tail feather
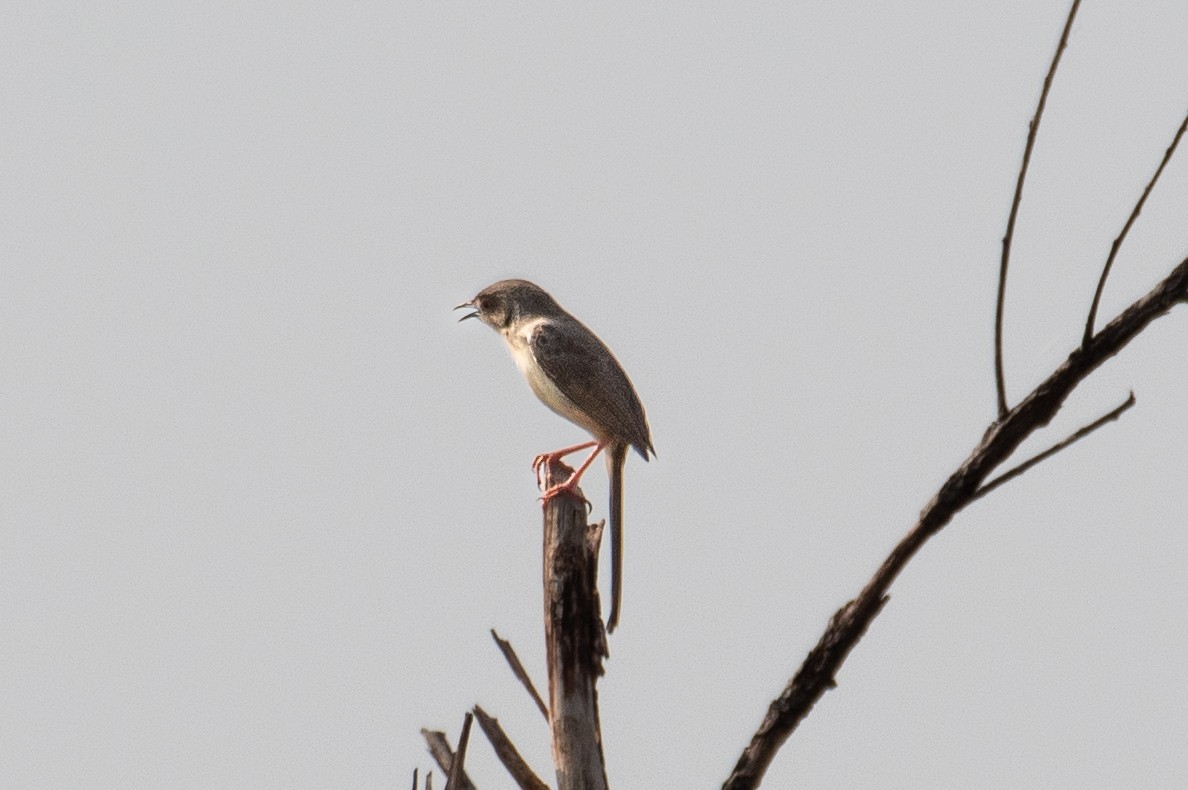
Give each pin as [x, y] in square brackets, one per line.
[616, 458]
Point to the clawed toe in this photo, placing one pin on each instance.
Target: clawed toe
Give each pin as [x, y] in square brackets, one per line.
[568, 488]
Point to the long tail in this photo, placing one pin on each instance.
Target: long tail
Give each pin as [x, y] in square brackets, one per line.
[616, 458]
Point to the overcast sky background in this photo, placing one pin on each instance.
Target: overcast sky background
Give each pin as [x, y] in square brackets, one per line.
[261, 498]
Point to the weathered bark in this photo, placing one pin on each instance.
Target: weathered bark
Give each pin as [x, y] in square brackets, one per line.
[574, 637]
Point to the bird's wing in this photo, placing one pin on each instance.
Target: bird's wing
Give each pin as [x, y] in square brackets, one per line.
[586, 372]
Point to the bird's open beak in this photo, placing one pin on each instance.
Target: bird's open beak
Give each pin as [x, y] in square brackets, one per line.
[468, 315]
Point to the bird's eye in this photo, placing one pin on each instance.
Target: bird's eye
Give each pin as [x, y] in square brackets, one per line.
[485, 303]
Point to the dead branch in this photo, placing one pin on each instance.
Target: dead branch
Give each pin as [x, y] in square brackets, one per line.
[456, 778]
[1002, 438]
[443, 755]
[575, 645]
[968, 482]
[517, 668]
[507, 753]
[574, 638]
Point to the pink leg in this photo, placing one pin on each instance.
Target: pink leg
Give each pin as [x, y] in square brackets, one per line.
[557, 455]
[570, 485]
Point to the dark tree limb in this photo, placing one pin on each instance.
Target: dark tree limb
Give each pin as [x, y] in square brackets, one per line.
[1117, 245]
[574, 637]
[517, 668]
[507, 753]
[1008, 237]
[1002, 438]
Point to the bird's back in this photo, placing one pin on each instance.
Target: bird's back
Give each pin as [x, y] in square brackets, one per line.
[586, 372]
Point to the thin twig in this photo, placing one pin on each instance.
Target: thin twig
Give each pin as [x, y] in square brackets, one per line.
[416, 783]
[509, 654]
[1032, 129]
[507, 753]
[1010, 475]
[1117, 245]
[457, 772]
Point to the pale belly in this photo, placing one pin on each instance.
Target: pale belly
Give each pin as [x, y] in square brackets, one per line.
[541, 384]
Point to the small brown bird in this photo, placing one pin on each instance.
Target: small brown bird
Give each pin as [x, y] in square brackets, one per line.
[577, 376]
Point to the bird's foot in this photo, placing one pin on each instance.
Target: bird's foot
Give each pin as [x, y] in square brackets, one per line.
[568, 488]
[542, 462]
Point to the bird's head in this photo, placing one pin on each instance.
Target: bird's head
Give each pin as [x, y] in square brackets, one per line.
[507, 301]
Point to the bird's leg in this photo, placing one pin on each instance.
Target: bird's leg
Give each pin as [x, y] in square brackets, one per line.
[557, 455]
[570, 485]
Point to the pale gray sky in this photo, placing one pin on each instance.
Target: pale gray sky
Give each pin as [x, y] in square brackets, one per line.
[262, 497]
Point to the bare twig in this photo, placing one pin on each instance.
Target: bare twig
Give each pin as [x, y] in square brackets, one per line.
[443, 755]
[416, 782]
[1010, 475]
[1117, 245]
[1032, 129]
[457, 772]
[1002, 438]
[507, 753]
[509, 654]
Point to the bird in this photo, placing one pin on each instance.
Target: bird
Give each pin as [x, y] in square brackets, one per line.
[573, 373]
